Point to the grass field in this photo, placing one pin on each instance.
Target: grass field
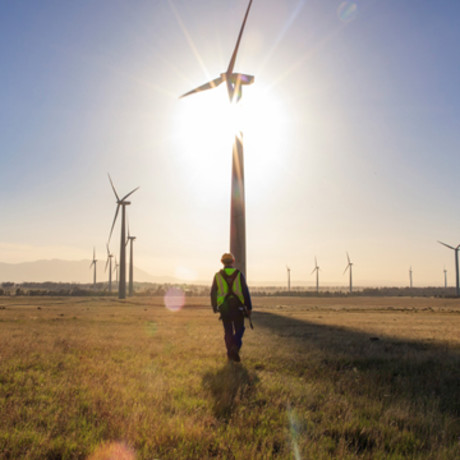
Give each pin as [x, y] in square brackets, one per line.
[320, 378]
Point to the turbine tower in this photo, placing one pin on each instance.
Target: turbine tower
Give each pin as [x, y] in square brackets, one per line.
[410, 277]
[93, 264]
[350, 268]
[130, 240]
[109, 264]
[445, 277]
[457, 280]
[316, 269]
[121, 202]
[115, 270]
[235, 82]
[288, 278]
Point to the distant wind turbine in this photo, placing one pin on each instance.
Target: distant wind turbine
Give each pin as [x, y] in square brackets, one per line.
[457, 280]
[410, 277]
[93, 264]
[445, 277]
[288, 278]
[109, 265]
[235, 82]
[130, 240]
[350, 268]
[316, 269]
[121, 202]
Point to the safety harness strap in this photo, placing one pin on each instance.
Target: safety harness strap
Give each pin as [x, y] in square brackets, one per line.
[229, 279]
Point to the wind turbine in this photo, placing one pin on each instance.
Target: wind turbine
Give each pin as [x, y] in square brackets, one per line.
[235, 82]
[93, 263]
[121, 202]
[316, 269]
[445, 277]
[288, 278]
[350, 268]
[410, 277]
[109, 264]
[457, 280]
[130, 240]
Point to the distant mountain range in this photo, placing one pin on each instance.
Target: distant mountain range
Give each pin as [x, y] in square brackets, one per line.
[78, 271]
[66, 271]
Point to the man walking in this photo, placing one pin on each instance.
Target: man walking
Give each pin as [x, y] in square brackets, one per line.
[230, 297]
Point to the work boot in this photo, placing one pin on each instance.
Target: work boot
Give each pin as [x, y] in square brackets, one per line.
[233, 355]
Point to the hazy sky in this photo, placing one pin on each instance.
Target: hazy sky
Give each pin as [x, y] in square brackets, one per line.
[351, 131]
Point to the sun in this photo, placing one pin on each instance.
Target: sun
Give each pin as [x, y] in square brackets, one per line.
[205, 129]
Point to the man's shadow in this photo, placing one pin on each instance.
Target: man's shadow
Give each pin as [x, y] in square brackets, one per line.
[228, 386]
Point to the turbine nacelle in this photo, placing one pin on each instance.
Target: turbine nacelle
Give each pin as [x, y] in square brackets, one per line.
[316, 269]
[234, 81]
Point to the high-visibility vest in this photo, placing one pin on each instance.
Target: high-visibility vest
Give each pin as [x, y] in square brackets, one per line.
[222, 287]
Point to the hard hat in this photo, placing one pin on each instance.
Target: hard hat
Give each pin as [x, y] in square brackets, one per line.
[227, 258]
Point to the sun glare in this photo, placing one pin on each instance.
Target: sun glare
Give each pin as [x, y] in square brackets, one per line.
[206, 127]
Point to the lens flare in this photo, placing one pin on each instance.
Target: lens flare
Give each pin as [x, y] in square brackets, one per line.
[347, 11]
[174, 299]
[112, 450]
[294, 431]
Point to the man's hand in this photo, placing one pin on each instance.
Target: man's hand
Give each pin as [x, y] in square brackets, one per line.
[247, 313]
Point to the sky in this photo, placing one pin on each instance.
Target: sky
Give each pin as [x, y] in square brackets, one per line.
[351, 135]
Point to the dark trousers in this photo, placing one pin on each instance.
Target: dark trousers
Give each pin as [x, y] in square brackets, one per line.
[234, 330]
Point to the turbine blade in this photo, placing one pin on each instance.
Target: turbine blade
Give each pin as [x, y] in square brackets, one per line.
[447, 245]
[113, 187]
[231, 64]
[346, 268]
[210, 85]
[113, 224]
[348, 258]
[130, 193]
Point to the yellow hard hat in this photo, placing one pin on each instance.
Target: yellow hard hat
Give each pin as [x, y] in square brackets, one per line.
[227, 258]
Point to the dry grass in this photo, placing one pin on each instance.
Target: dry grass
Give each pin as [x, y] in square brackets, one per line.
[320, 378]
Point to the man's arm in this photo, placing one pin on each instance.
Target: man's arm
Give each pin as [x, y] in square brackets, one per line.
[214, 295]
[246, 295]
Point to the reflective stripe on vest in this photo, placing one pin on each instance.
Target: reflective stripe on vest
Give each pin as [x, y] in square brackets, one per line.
[222, 288]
